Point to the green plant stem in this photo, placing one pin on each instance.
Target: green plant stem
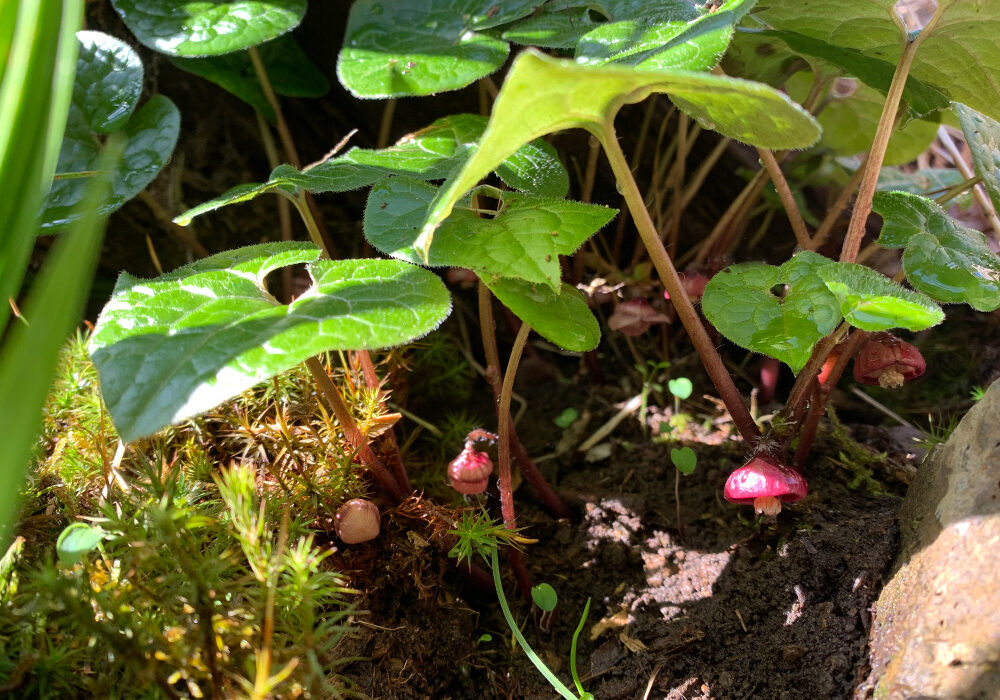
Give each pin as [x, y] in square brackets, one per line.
[521, 641]
[873, 164]
[572, 650]
[503, 426]
[487, 328]
[785, 194]
[284, 215]
[668, 275]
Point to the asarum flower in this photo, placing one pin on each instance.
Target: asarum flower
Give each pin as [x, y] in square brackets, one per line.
[887, 361]
[469, 473]
[694, 284]
[766, 484]
[357, 521]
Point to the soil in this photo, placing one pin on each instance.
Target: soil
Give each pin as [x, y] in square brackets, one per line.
[733, 609]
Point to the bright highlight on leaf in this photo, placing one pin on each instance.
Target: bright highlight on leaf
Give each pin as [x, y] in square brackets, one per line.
[872, 302]
[171, 347]
[208, 27]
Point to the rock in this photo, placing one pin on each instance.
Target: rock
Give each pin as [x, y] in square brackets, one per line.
[936, 631]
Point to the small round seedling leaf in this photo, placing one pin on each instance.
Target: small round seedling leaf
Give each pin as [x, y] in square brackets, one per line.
[108, 82]
[78, 540]
[684, 459]
[208, 27]
[681, 387]
[566, 418]
[545, 597]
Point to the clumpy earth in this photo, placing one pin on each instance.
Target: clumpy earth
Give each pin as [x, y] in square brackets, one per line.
[734, 608]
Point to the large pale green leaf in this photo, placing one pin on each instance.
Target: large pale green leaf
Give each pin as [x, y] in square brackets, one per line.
[171, 347]
[983, 137]
[289, 70]
[429, 154]
[676, 40]
[152, 134]
[921, 182]
[958, 56]
[396, 48]
[849, 122]
[944, 259]
[542, 95]
[872, 302]
[777, 311]
[208, 27]
[524, 240]
[563, 318]
[922, 99]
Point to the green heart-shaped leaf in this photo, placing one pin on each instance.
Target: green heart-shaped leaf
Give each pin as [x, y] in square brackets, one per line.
[563, 318]
[684, 459]
[290, 72]
[742, 303]
[957, 55]
[681, 387]
[208, 27]
[542, 95]
[983, 137]
[872, 302]
[429, 154]
[398, 48]
[943, 259]
[673, 39]
[171, 347]
[108, 84]
[524, 240]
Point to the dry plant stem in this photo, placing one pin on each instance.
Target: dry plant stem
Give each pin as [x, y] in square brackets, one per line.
[677, 184]
[503, 427]
[529, 470]
[180, 233]
[785, 194]
[263, 675]
[698, 179]
[677, 501]
[749, 190]
[351, 431]
[586, 191]
[977, 191]
[863, 204]
[668, 276]
[372, 381]
[833, 213]
[288, 144]
[284, 214]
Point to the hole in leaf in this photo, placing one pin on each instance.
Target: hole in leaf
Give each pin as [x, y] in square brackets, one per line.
[287, 283]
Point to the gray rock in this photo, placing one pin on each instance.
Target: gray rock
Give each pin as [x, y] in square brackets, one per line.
[936, 631]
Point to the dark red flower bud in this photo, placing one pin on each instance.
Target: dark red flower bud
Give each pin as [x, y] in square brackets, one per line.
[470, 472]
[357, 521]
[766, 484]
[887, 361]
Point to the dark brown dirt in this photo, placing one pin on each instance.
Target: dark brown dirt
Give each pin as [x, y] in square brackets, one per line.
[732, 609]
